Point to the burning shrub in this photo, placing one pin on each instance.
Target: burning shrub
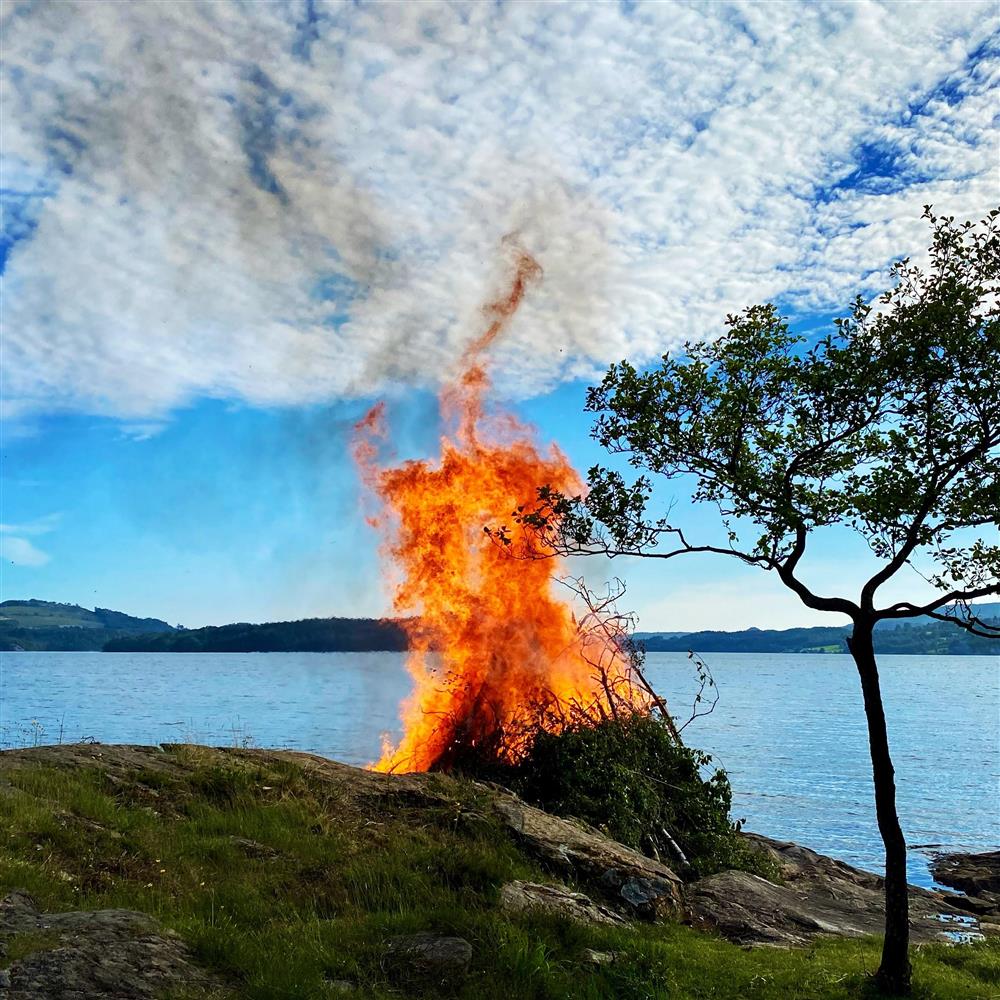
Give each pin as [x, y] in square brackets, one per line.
[631, 778]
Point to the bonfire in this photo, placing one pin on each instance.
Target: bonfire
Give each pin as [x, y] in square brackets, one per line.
[496, 653]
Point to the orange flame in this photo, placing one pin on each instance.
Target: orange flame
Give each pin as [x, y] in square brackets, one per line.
[493, 652]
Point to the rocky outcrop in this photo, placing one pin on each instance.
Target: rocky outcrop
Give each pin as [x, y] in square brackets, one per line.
[634, 884]
[978, 878]
[974, 874]
[532, 897]
[817, 895]
[98, 955]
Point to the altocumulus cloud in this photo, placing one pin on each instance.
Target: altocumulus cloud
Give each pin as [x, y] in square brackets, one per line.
[292, 202]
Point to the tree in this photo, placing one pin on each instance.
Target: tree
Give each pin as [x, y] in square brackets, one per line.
[889, 425]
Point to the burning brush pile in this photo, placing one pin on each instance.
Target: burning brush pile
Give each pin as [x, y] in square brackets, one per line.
[508, 681]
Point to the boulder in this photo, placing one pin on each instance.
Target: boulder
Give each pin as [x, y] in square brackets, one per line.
[253, 848]
[428, 959]
[985, 905]
[973, 874]
[750, 910]
[632, 883]
[555, 900]
[99, 954]
[592, 957]
[817, 895]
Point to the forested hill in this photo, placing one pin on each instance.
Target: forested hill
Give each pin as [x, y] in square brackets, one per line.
[45, 625]
[925, 637]
[310, 635]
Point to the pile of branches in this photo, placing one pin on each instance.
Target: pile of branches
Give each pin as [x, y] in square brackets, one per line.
[487, 738]
[617, 761]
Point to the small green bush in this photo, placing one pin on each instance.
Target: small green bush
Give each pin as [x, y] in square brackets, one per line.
[631, 779]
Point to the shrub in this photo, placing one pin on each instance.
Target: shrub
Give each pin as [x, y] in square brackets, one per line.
[632, 780]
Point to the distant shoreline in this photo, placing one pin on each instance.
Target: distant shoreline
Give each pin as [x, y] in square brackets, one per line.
[40, 626]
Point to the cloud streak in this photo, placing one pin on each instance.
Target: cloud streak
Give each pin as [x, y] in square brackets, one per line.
[290, 203]
[20, 550]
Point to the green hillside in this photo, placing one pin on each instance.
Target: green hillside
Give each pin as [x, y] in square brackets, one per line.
[46, 625]
[46, 614]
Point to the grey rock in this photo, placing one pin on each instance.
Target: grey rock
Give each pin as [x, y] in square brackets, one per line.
[427, 958]
[634, 884]
[531, 897]
[817, 896]
[973, 874]
[253, 849]
[592, 957]
[100, 955]
[985, 905]
[750, 910]
[644, 895]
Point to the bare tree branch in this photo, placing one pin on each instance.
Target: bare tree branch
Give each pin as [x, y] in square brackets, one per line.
[904, 609]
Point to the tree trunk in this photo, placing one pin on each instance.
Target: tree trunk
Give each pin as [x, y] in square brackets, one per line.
[893, 975]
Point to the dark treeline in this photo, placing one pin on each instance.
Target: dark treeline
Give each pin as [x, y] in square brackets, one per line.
[322, 635]
[933, 637]
[310, 635]
[64, 638]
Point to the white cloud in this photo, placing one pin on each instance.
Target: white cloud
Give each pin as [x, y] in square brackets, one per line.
[39, 526]
[21, 552]
[142, 431]
[249, 202]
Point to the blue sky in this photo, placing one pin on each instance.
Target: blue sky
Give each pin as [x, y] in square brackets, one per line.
[238, 513]
[229, 228]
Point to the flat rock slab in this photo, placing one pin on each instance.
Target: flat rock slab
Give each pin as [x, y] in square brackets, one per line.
[93, 955]
[973, 874]
[817, 896]
[555, 900]
[634, 884]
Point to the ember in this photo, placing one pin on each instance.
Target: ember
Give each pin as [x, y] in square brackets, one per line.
[495, 655]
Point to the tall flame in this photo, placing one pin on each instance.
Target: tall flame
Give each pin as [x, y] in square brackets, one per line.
[493, 652]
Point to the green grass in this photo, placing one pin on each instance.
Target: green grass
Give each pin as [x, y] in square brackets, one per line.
[283, 881]
[22, 945]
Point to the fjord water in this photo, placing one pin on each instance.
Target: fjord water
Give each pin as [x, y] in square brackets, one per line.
[788, 728]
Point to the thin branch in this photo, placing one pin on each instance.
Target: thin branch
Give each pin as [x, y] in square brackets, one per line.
[904, 609]
[705, 679]
[973, 625]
